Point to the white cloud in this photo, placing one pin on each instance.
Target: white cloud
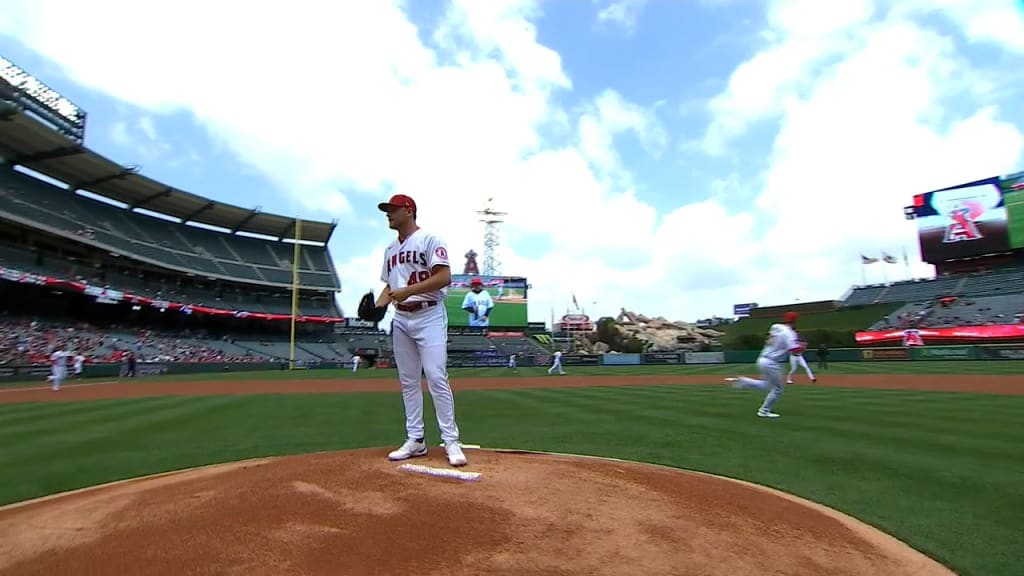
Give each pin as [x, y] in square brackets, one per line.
[347, 105]
[624, 13]
[886, 114]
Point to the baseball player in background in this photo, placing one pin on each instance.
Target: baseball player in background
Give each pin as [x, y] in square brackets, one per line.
[58, 368]
[478, 304]
[512, 362]
[417, 275]
[79, 364]
[355, 363]
[797, 360]
[781, 342]
[556, 363]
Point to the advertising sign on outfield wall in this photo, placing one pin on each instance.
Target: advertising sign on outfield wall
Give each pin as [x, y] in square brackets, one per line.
[1006, 352]
[705, 358]
[943, 353]
[581, 359]
[622, 359]
[661, 358]
[885, 354]
[478, 362]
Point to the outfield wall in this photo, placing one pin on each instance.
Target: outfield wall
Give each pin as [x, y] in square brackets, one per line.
[22, 373]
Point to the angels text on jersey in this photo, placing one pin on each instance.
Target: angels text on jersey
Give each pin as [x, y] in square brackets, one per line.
[407, 263]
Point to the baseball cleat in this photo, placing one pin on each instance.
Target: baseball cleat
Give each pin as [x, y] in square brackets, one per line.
[763, 414]
[735, 382]
[455, 455]
[410, 449]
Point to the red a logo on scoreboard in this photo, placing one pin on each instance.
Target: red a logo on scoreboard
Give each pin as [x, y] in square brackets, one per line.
[962, 228]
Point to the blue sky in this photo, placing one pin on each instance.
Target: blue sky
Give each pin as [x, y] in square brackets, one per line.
[687, 155]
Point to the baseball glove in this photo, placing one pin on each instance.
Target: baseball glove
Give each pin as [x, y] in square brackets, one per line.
[368, 309]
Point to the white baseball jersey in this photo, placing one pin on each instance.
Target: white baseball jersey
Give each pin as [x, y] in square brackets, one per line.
[79, 362]
[59, 360]
[480, 303]
[409, 262]
[781, 339]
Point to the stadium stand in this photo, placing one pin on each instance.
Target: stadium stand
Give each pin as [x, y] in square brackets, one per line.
[97, 257]
[188, 249]
[1005, 280]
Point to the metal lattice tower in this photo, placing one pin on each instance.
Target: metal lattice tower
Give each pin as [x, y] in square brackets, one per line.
[491, 218]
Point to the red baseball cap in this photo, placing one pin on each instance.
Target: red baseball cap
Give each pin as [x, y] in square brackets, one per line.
[476, 281]
[791, 317]
[398, 201]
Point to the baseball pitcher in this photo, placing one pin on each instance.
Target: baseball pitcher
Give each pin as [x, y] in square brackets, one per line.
[417, 274]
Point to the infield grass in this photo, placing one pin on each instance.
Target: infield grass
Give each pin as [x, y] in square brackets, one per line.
[942, 471]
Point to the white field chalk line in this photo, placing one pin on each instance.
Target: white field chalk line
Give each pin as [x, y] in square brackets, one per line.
[442, 472]
[65, 386]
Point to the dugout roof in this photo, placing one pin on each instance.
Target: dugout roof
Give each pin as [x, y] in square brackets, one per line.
[28, 142]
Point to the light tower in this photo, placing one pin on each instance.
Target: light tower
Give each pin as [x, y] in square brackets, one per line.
[491, 218]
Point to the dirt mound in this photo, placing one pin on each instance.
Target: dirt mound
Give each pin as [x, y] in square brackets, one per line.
[356, 513]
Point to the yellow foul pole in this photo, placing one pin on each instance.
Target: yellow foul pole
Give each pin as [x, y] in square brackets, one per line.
[295, 292]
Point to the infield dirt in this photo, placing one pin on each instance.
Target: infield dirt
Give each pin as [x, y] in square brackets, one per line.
[357, 513]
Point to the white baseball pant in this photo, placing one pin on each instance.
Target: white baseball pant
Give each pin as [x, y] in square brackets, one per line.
[796, 361]
[771, 380]
[421, 347]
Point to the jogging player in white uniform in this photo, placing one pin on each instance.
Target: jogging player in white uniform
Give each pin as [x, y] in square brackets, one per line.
[79, 364]
[58, 368]
[355, 363]
[797, 360]
[417, 273]
[556, 363]
[780, 344]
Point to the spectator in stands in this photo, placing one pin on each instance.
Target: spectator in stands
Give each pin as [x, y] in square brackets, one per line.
[822, 356]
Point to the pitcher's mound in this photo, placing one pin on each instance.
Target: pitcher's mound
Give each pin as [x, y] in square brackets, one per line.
[356, 513]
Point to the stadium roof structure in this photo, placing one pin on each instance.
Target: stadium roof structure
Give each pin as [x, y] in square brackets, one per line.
[28, 142]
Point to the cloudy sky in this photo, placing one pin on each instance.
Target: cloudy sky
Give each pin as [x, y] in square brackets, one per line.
[683, 156]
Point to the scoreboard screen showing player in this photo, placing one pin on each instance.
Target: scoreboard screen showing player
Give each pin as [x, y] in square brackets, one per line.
[962, 221]
[1013, 198]
[504, 295]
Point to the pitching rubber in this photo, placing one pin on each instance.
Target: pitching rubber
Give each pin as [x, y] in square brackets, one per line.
[440, 472]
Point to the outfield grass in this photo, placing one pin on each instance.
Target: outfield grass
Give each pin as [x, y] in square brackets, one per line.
[941, 471]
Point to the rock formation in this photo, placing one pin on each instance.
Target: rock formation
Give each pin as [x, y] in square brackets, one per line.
[662, 335]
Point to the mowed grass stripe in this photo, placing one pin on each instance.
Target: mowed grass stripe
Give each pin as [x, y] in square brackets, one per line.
[14, 413]
[69, 416]
[99, 431]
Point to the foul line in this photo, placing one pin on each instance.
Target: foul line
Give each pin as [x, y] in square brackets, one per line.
[62, 386]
